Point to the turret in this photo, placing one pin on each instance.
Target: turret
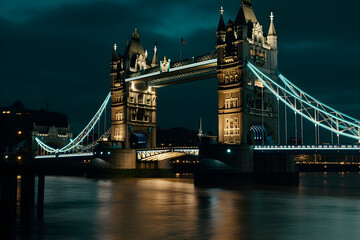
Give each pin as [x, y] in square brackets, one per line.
[155, 61]
[114, 64]
[221, 30]
[272, 37]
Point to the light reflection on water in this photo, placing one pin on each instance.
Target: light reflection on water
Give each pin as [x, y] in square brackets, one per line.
[324, 206]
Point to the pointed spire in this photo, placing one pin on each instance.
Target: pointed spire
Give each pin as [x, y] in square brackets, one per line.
[155, 61]
[221, 26]
[272, 31]
[135, 34]
[200, 129]
[240, 18]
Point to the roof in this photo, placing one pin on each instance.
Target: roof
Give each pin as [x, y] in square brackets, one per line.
[272, 31]
[134, 47]
[246, 14]
[221, 26]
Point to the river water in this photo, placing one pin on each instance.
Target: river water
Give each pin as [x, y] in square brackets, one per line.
[323, 206]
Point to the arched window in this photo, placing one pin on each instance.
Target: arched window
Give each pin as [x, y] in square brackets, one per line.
[140, 98]
[140, 114]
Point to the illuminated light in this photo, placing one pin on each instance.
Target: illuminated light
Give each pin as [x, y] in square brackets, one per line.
[108, 153]
[325, 166]
[177, 174]
[174, 69]
[8, 112]
[296, 96]
[19, 132]
[4, 112]
[84, 133]
[101, 153]
[6, 156]
[228, 150]
[19, 157]
[18, 177]
[292, 86]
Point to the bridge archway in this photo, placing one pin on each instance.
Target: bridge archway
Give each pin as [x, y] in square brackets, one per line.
[257, 135]
[137, 140]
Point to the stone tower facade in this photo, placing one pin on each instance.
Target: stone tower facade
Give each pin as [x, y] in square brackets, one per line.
[133, 104]
[247, 112]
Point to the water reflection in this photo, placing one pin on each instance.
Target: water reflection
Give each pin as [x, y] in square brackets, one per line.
[323, 206]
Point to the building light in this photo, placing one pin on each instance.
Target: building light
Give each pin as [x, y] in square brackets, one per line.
[6, 156]
[19, 132]
[19, 157]
[228, 150]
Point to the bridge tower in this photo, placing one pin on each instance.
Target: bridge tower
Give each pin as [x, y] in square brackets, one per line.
[247, 112]
[133, 105]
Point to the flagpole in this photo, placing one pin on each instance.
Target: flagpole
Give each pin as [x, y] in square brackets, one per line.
[182, 42]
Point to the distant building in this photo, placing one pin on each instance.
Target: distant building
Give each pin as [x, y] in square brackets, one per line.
[20, 126]
[179, 137]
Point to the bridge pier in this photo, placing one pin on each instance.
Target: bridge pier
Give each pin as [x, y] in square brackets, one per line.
[8, 181]
[275, 169]
[40, 196]
[239, 164]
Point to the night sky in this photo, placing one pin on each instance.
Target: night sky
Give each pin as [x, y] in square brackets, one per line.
[59, 51]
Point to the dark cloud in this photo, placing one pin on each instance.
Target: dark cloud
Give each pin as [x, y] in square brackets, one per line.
[59, 52]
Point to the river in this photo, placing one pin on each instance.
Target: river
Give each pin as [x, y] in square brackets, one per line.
[323, 206]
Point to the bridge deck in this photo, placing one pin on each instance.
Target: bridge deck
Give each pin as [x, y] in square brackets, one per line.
[164, 156]
[182, 71]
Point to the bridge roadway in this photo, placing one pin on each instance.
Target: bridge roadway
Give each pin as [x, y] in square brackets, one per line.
[158, 154]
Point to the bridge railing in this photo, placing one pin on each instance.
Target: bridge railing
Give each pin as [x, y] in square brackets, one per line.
[307, 147]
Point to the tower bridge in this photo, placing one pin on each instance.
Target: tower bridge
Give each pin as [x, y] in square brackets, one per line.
[250, 91]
